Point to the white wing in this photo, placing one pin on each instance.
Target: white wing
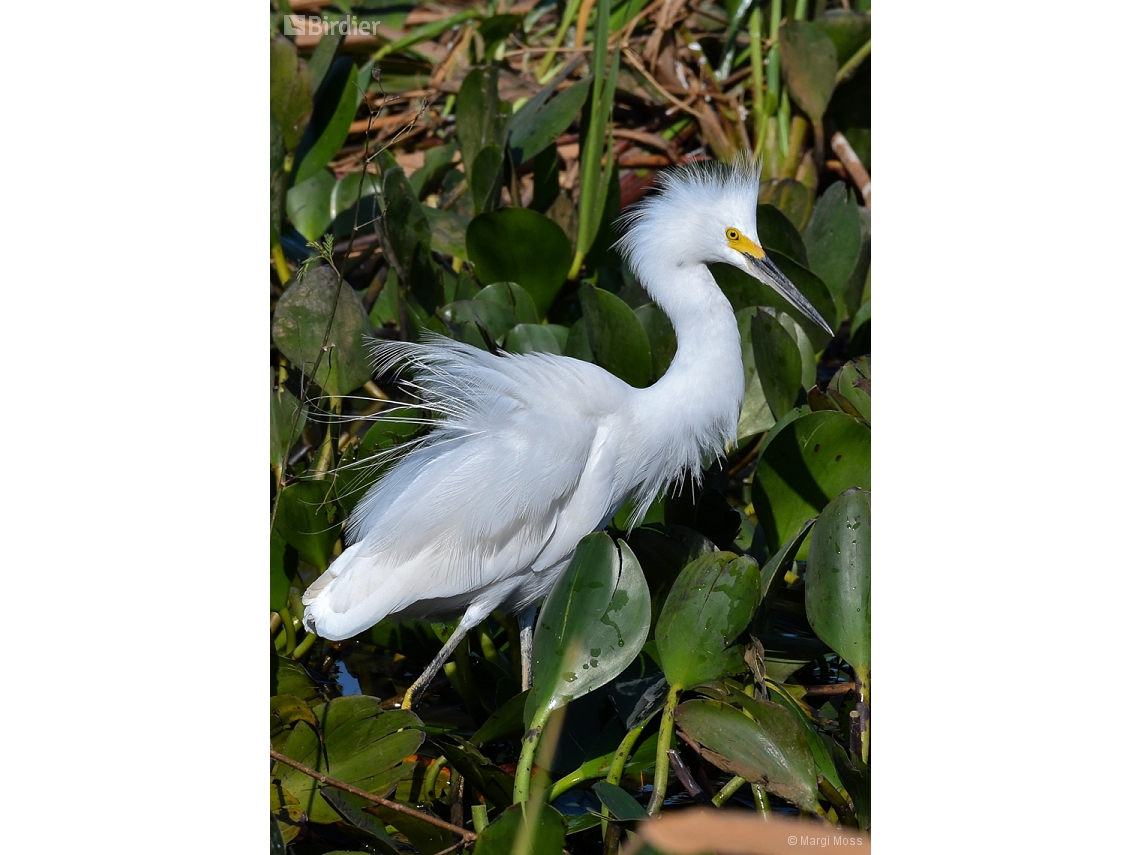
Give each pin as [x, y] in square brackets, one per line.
[519, 469]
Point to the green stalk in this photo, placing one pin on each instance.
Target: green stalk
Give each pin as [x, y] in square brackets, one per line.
[526, 756]
[617, 770]
[459, 673]
[796, 136]
[756, 55]
[664, 740]
[290, 631]
[303, 648]
[479, 817]
[432, 775]
[425, 33]
[856, 59]
[563, 28]
[760, 796]
[727, 791]
[801, 10]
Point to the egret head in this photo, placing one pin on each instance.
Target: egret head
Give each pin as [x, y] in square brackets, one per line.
[704, 213]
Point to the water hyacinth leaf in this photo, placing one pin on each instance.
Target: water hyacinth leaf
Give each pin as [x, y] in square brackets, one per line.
[323, 55]
[770, 751]
[662, 337]
[285, 422]
[522, 246]
[622, 806]
[281, 571]
[834, 240]
[491, 782]
[861, 331]
[423, 836]
[807, 57]
[791, 198]
[850, 388]
[299, 325]
[779, 564]
[755, 414]
[437, 164]
[362, 745]
[857, 281]
[813, 287]
[290, 100]
[306, 518]
[309, 204]
[778, 361]
[807, 350]
[352, 187]
[351, 808]
[617, 339]
[504, 721]
[536, 338]
[592, 624]
[495, 318]
[823, 763]
[777, 232]
[536, 829]
[514, 298]
[486, 179]
[786, 654]
[837, 587]
[480, 117]
[531, 132]
[448, 232]
[709, 605]
[334, 107]
[805, 464]
[848, 30]
[404, 229]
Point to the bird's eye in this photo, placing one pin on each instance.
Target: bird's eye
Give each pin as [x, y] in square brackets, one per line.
[732, 234]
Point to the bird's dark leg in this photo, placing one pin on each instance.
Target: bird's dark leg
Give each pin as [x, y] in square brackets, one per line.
[526, 644]
[412, 696]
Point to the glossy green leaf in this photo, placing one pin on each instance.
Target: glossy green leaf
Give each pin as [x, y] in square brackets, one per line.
[623, 806]
[823, 763]
[850, 388]
[299, 325]
[536, 338]
[290, 101]
[834, 239]
[662, 337]
[755, 414]
[856, 285]
[281, 571]
[522, 246]
[285, 423]
[804, 465]
[334, 108]
[494, 317]
[785, 654]
[536, 829]
[781, 561]
[807, 57]
[777, 232]
[778, 362]
[617, 339]
[861, 331]
[770, 751]
[309, 204]
[514, 298]
[448, 232]
[709, 605]
[404, 230]
[480, 117]
[306, 518]
[491, 782]
[790, 197]
[364, 746]
[837, 587]
[320, 61]
[534, 131]
[486, 179]
[592, 624]
[423, 836]
[847, 29]
[352, 808]
[505, 721]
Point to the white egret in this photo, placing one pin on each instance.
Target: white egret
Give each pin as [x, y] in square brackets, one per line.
[530, 453]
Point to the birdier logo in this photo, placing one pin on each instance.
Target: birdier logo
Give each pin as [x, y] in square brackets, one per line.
[314, 25]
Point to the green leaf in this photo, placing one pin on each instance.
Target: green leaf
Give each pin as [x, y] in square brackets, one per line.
[281, 572]
[309, 204]
[531, 132]
[504, 721]
[770, 751]
[861, 331]
[495, 317]
[522, 246]
[709, 605]
[850, 388]
[283, 406]
[780, 562]
[496, 28]
[778, 362]
[448, 232]
[662, 337]
[847, 29]
[362, 745]
[289, 98]
[536, 338]
[536, 829]
[512, 297]
[623, 806]
[334, 107]
[480, 117]
[808, 59]
[299, 324]
[790, 197]
[823, 763]
[352, 808]
[423, 836]
[834, 239]
[278, 180]
[492, 783]
[486, 179]
[837, 587]
[306, 518]
[755, 414]
[617, 339]
[592, 624]
[777, 232]
[804, 464]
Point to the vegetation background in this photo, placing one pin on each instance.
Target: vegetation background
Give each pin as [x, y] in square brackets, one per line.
[459, 169]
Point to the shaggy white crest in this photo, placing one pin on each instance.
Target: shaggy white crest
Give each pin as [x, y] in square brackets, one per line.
[532, 452]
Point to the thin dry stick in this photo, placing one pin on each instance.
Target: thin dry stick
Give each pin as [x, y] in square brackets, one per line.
[852, 164]
[467, 836]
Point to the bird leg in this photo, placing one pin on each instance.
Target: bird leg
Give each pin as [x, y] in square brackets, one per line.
[412, 696]
[526, 644]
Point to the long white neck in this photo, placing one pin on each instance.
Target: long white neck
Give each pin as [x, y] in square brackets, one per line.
[692, 411]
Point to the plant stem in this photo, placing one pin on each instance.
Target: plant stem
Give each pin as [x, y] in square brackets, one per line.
[756, 54]
[801, 10]
[617, 770]
[795, 142]
[526, 756]
[559, 37]
[479, 817]
[282, 266]
[856, 60]
[760, 796]
[303, 648]
[727, 791]
[664, 742]
[290, 632]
